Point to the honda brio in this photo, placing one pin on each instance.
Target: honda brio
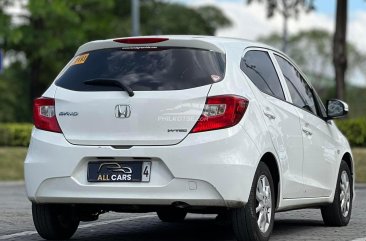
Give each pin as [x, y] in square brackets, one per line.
[179, 124]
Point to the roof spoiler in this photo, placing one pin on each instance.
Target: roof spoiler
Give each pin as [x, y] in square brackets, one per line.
[150, 41]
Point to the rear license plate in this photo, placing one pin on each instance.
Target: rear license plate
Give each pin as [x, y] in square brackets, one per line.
[119, 171]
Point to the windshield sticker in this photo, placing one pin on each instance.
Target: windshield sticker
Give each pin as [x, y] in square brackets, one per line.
[215, 78]
[80, 59]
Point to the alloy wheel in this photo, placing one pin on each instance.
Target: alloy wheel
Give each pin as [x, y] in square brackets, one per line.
[264, 203]
[345, 195]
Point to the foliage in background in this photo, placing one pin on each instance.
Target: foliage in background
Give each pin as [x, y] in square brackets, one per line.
[287, 9]
[359, 156]
[316, 63]
[356, 98]
[15, 134]
[12, 163]
[14, 97]
[161, 18]
[47, 35]
[354, 130]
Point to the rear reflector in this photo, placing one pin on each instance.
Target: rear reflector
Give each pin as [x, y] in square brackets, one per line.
[221, 112]
[140, 40]
[44, 115]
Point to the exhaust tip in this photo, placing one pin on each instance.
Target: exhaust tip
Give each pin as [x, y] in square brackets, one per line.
[180, 205]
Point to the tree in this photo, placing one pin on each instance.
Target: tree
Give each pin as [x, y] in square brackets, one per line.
[4, 22]
[317, 60]
[340, 48]
[161, 18]
[50, 32]
[287, 9]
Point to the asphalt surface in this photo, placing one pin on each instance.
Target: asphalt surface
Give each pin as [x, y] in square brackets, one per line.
[16, 224]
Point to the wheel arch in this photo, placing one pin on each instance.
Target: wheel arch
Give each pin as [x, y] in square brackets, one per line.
[348, 159]
[270, 160]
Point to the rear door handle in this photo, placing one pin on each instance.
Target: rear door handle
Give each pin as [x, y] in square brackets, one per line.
[269, 115]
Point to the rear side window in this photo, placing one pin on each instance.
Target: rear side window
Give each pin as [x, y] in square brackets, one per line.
[258, 66]
[144, 68]
[301, 93]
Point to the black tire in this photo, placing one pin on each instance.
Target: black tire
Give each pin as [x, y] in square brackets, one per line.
[245, 219]
[54, 222]
[172, 214]
[223, 219]
[332, 214]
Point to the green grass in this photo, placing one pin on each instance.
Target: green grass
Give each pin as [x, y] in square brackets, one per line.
[12, 158]
[11, 163]
[359, 154]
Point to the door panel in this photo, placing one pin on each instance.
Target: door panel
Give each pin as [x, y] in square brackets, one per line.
[281, 118]
[318, 140]
[284, 125]
[319, 166]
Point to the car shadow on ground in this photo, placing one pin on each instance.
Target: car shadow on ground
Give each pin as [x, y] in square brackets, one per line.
[294, 226]
[189, 230]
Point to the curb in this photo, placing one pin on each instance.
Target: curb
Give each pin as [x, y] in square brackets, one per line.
[11, 183]
[360, 185]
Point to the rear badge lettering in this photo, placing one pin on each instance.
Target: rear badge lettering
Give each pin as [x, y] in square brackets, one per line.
[177, 130]
[68, 114]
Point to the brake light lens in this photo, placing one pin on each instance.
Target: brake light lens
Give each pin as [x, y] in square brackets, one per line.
[221, 112]
[44, 115]
[140, 40]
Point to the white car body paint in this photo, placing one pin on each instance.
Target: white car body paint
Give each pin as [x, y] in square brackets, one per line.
[213, 168]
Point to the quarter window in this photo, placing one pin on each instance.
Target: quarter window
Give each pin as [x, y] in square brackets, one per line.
[301, 93]
[322, 111]
[258, 66]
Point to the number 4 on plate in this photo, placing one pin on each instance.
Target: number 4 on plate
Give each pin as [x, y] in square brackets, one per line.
[146, 169]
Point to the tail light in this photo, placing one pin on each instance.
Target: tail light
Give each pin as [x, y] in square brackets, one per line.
[44, 115]
[221, 112]
[140, 40]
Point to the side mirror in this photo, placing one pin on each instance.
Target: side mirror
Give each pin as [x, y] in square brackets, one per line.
[336, 108]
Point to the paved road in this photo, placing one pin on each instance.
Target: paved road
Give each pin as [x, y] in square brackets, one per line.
[16, 224]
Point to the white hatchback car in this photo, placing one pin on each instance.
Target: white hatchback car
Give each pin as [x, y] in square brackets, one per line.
[178, 124]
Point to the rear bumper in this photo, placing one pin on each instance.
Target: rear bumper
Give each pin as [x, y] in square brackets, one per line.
[68, 190]
[206, 169]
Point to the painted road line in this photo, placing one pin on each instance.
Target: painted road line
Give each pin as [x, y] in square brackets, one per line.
[89, 225]
[15, 235]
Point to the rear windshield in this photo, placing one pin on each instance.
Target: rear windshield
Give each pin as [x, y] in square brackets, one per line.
[144, 68]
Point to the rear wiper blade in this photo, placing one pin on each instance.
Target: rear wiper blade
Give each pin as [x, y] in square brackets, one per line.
[110, 82]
